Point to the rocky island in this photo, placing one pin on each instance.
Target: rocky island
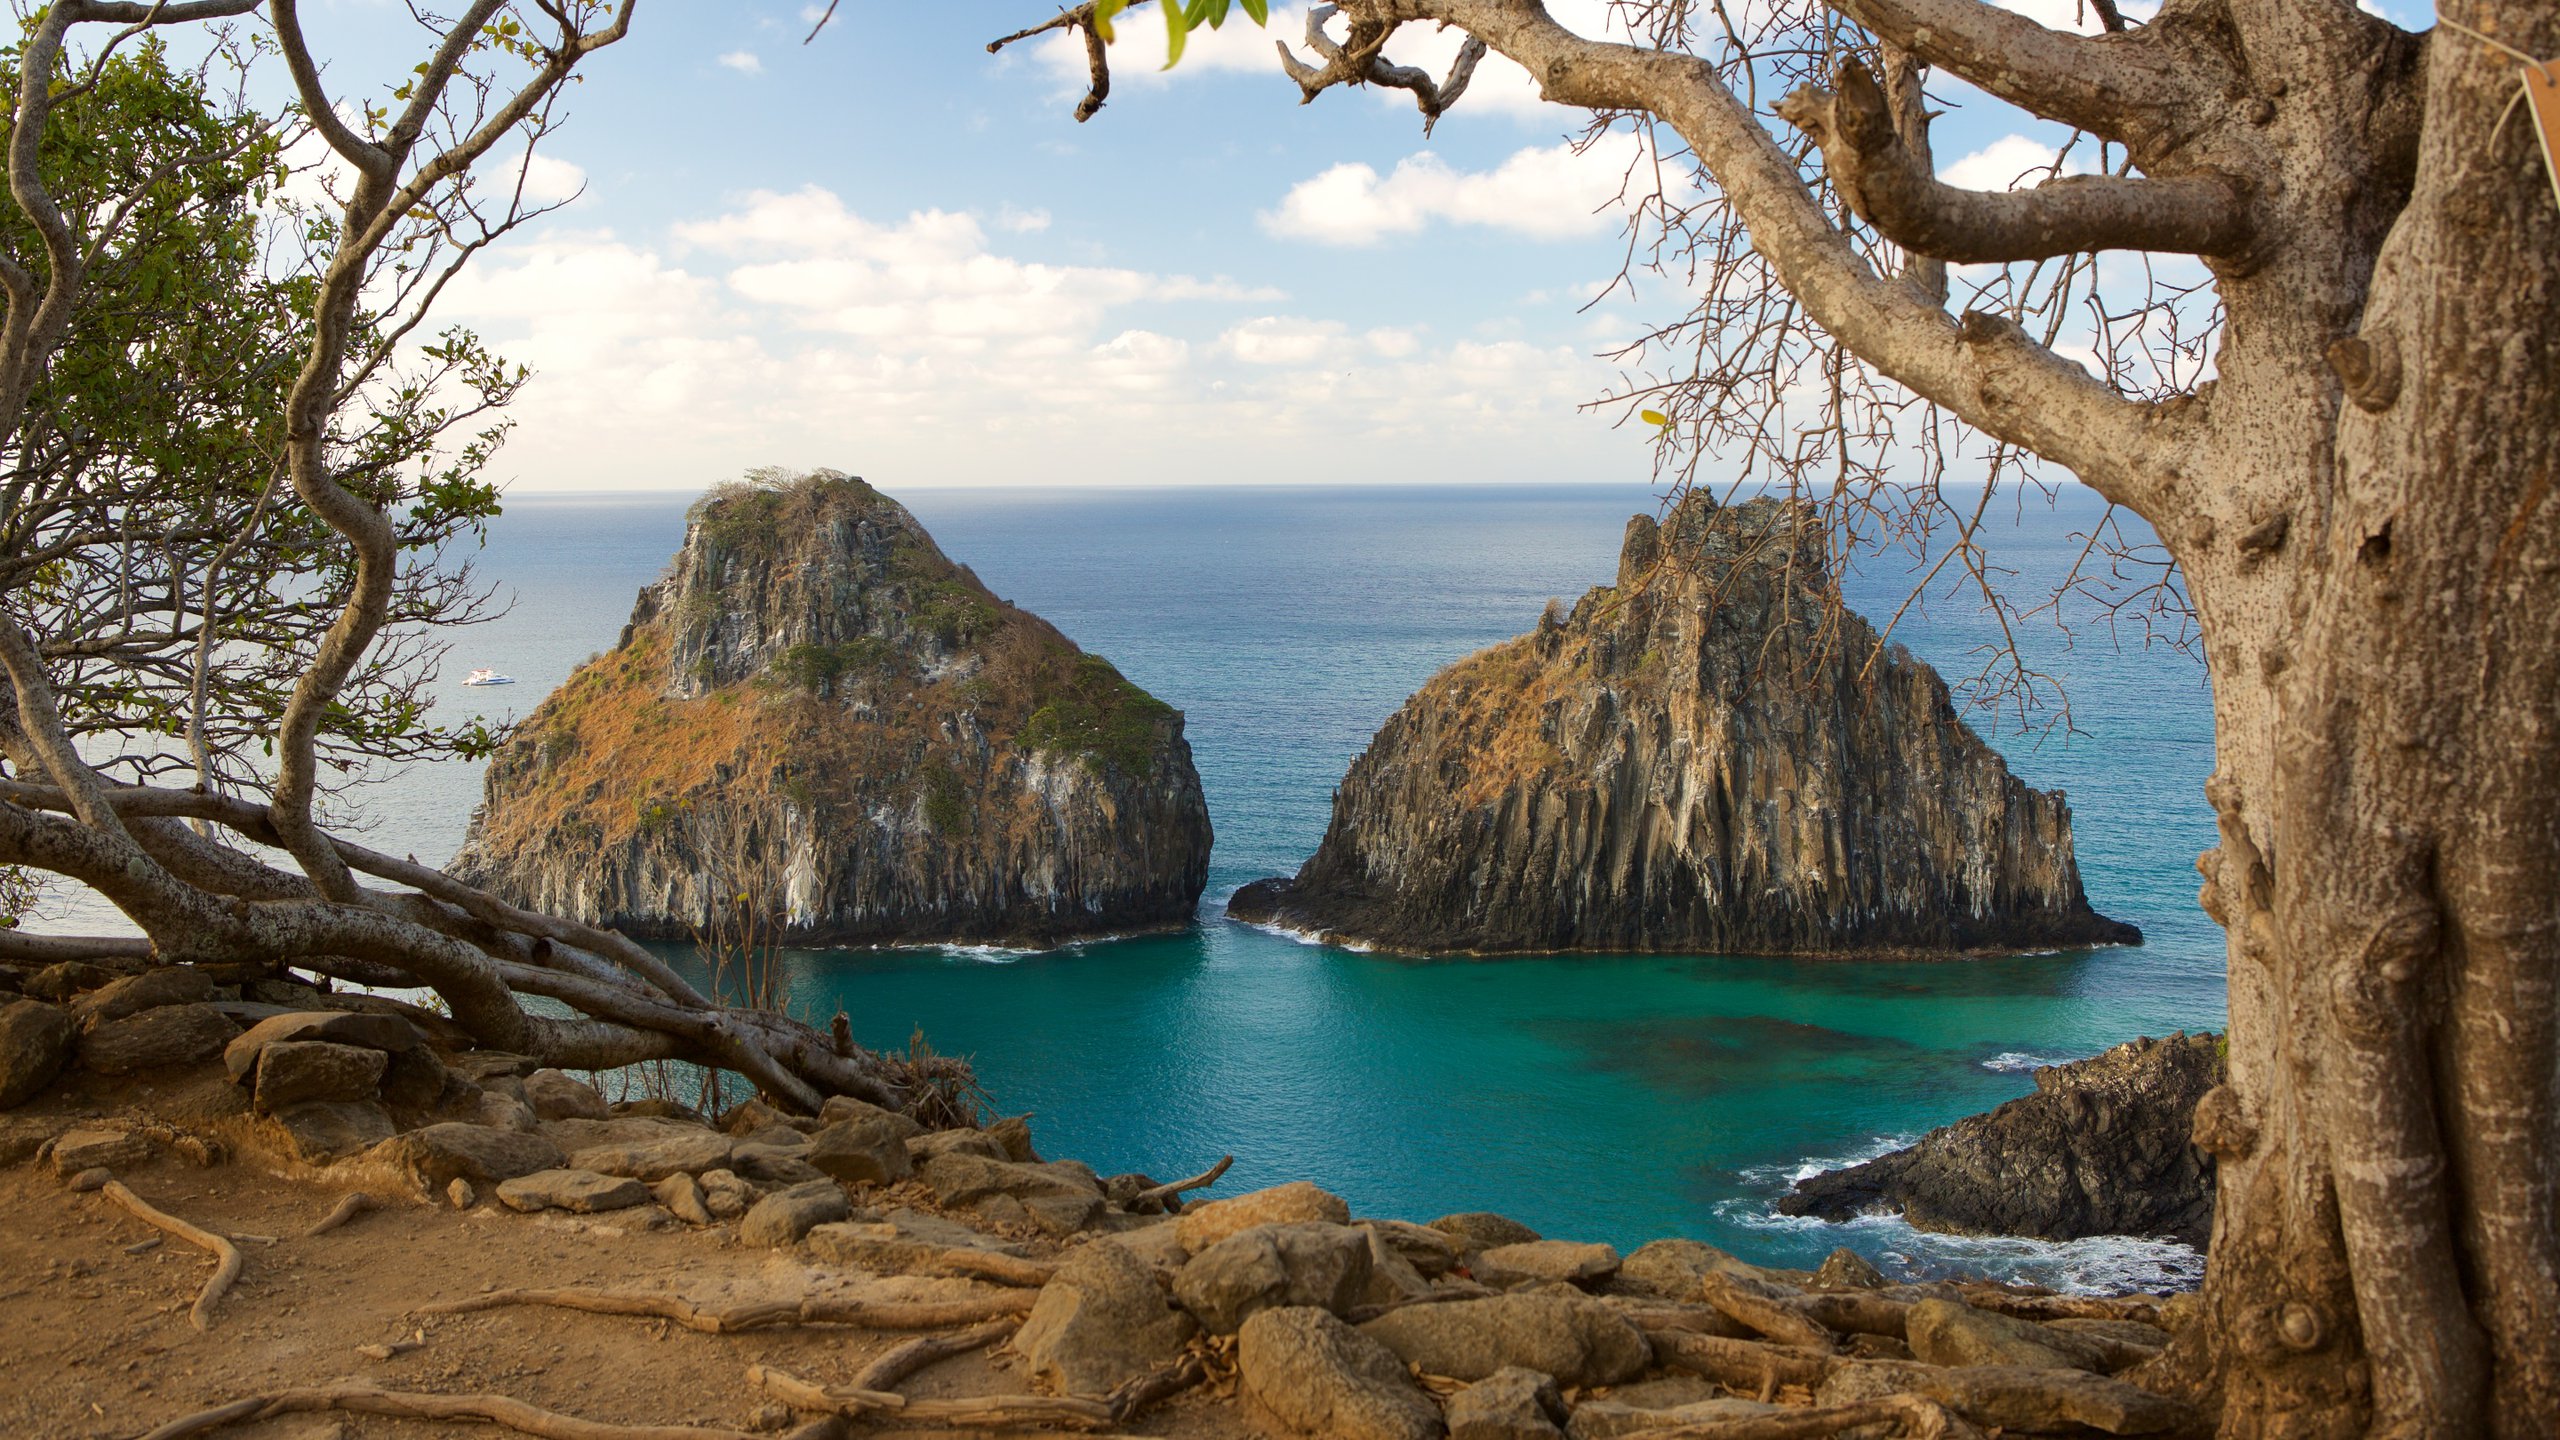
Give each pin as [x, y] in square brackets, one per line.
[1699, 758]
[818, 711]
[2103, 1147]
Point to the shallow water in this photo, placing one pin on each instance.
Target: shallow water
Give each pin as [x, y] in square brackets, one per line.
[1616, 1099]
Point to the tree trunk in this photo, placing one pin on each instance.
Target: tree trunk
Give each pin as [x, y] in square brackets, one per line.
[2379, 597]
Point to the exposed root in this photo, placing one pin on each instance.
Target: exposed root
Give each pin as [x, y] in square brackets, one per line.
[493, 1409]
[1910, 1416]
[1159, 1384]
[986, 1412]
[356, 1203]
[907, 1359]
[1743, 1365]
[729, 1320]
[2142, 1308]
[1002, 1269]
[1165, 1196]
[1768, 1309]
[226, 1255]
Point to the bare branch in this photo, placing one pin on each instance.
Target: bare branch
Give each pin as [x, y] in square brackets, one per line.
[2122, 85]
[1360, 60]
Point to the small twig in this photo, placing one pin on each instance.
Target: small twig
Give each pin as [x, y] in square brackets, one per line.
[355, 1203]
[1162, 1193]
[225, 1254]
[495, 1409]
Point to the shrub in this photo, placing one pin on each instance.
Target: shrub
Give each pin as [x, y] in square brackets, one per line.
[946, 800]
[1099, 717]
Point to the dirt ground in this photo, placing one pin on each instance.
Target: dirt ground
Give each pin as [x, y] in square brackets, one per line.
[95, 1340]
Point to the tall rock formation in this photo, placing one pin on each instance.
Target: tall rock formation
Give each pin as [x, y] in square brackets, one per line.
[817, 711]
[1692, 761]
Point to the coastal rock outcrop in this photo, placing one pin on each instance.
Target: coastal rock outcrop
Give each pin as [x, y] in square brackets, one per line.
[1710, 756]
[2102, 1148]
[817, 710]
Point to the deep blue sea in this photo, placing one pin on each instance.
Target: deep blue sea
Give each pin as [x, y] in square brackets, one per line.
[1601, 1098]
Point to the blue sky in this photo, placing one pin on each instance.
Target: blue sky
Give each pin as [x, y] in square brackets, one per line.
[891, 253]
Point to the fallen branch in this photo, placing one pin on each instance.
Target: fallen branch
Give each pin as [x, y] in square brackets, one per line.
[885, 1372]
[494, 1409]
[1911, 1417]
[353, 1204]
[861, 1314]
[986, 1412]
[1163, 1382]
[1164, 1194]
[226, 1255]
[1002, 1269]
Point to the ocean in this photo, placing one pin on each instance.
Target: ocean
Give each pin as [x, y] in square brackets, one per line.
[1601, 1098]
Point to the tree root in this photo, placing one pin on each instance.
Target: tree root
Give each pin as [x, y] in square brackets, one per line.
[1908, 1417]
[494, 1409]
[2140, 1308]
[1167, 1195]
[355, 1203]
[226, 1255]
[1766, 1308]
[986, 1412]
[907, 1359]
[1001, 1269]
[1744, 1365]
[729, 1320]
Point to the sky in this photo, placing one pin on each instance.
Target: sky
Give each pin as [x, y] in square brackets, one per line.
[893, 254]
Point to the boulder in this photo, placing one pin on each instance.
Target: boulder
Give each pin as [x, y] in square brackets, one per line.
[36, 1041]
[1205, 1225]
[153, 988]
[869, 1150]
[1671, 1269]
[775, 1164]
[387, 1033]
[87, 1149]
[1608, 1419]
[1100, 1321]
[1509, 1404]
[901, 1241]
[1484, 1230]
[582, 1191]
[434, 1157]
[784, 1216]
[1542, 1261]
[1578, 1340]
[62, 980]
[156, 1039]
[683, 1150]
[1320, 1377]
[726, 1195]
[938, 1143]
[556, 1095]
[319, 1131]
[497, 1110]
[1392, 1278]
[682, 1195]
[1945, 1332]
[1432, 1252]
[419, 1080]
[1012, 1135]
[1274, 1267]
[960, 1178]
[837, 1110]
[1846, 1269]
[292, 1071]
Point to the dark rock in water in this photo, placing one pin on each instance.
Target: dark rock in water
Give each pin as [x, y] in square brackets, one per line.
[2102, 1148]
[1710, 756]
[817, 710]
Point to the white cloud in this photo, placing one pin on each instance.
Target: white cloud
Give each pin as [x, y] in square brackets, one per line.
[1282, 340]
[548, 180]
[1022, 222]
[2012, 162]
[1546, 193]
[743, 61]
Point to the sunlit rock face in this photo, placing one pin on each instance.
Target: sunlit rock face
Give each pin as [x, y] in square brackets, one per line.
[1710, 756]
[818, 723]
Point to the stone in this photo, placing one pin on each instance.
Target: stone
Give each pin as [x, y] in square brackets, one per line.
[1484, 1230]
[864, 1151]
[157, 1039]
[86, 1149]
[320, 1131]
[774, 1164]
[1321, 1377]
[1447, 832]
[1012, 1135]
[292, 1071]
[62, 980]
[749, 1116]
[1578, 1340]
[937, 1143]
[656, 1107]
[1846, 1269]
[1671, 1269]
[482, 1067]
[686, 1150]
[962, 1179]
[387, 1033]
[1060, 1215]
[419, 1080]
[1608, 1419]
[497, 1110]
[557, 1095]
[1157, 1246]
[1392, 1278]
[20, 1139]
[682, 1195]
[581, 1191]
[434, 1156]
[841, 1108]
[782, 1217]
[460, 1194]
[97, 1177]
[726, 1195]
[901, 1241]
[36, 1041]
[2105, 1146]
[1540, 1261]
[1509, 1404]
[1100, 1321]
[153, 988]
[1946, 1332]
[1274, 1267]
[1205, 1225]
[1433, 1253]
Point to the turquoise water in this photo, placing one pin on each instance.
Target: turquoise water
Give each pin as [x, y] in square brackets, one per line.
[1595, 1098]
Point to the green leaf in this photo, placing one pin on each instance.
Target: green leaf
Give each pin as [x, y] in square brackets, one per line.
[1653, 417]
[1260, 10]
[1177, 28]
[1103, 10]
[1212, 13]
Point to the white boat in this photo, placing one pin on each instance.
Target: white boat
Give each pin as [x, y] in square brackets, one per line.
[487, 677]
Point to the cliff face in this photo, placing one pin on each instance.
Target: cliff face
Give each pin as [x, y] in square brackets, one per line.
[1690, 763]
[2102, 1148]
[817, 710]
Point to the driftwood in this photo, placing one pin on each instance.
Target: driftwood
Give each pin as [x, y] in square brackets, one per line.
[356, 1203]
[907, 1359]
[1907, 1416]
[1002, 1269]
[226, 1255]
[757, 1315]
[1766, 1308]
[987, 1412]
[493, 1409]
[1164, 1194]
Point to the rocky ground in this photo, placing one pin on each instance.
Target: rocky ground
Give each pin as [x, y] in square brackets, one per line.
[185, 1254]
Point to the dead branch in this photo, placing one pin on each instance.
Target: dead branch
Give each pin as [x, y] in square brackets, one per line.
[729, 1320]
[885, 1372]
[353, 1204]
[493, 1409]
[225, 1254]
[1097, 61]
[1360, 60]
[1163, 1194]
